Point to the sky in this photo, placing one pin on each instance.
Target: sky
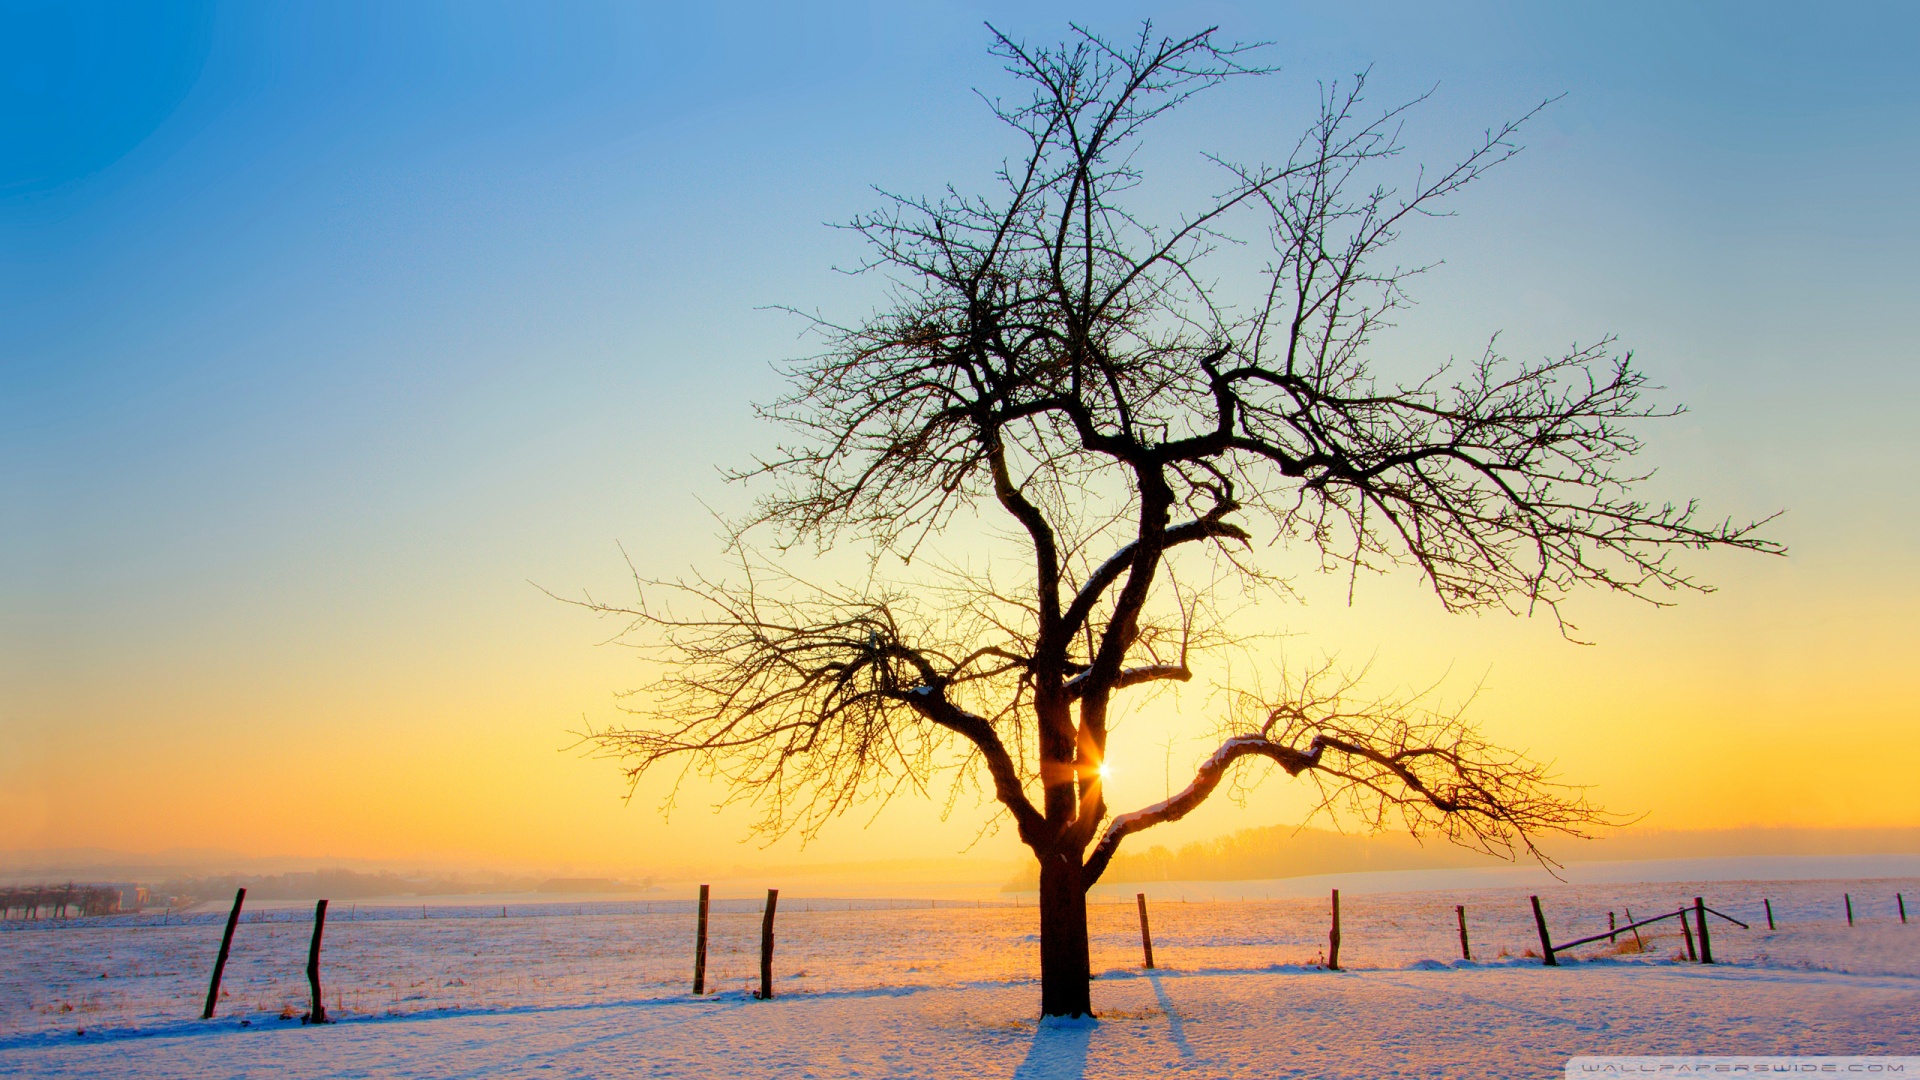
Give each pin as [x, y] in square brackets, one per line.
[334, 336]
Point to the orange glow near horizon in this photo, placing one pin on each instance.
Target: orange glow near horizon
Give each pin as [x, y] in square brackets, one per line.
[1695, 717]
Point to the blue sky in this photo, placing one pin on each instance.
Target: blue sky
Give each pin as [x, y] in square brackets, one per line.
[330, 326]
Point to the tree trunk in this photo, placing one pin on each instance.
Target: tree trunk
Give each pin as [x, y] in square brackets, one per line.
[1064, 964]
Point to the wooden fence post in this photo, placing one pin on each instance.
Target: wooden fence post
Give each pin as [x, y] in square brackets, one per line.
[1333, 936]
[1612, 934]
[1638, 945]
[1902, 901]
[1460, 912]
[318, 1014]
[1706, 942]
[1146, 935]
[1769, 904]
[1848, 897]
[766, 946]
[220, 962]
[1687, 932]
[1546, 943]
[700, 948]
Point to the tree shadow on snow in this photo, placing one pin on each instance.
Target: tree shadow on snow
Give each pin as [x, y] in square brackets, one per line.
[1059, 1051]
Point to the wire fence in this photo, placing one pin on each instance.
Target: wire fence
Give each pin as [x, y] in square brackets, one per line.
[134, 969]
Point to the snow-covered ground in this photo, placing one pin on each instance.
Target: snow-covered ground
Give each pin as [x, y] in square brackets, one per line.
[947, 988]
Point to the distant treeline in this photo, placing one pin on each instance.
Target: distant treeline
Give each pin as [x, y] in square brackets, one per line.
[59, 901]
[1284, 851]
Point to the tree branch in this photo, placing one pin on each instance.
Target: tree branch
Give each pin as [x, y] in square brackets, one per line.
[1208, 777]
[1430, 769]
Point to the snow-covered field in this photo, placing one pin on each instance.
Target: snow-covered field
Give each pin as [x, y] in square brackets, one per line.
[947, 988]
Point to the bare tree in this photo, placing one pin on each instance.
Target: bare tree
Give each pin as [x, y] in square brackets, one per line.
[1050, 355]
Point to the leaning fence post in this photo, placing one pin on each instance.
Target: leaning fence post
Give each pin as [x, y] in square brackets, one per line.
[1460, 911]
[1902, 901]
[1769, 905]
[220, 962]
[1848, 897]
[766, 946]
[318, 1014]
[1146, 935]
[1333, 936]
[1687, 932]
[700, 948]
[1633, 924]
[1706, 942]
[1546, 943]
